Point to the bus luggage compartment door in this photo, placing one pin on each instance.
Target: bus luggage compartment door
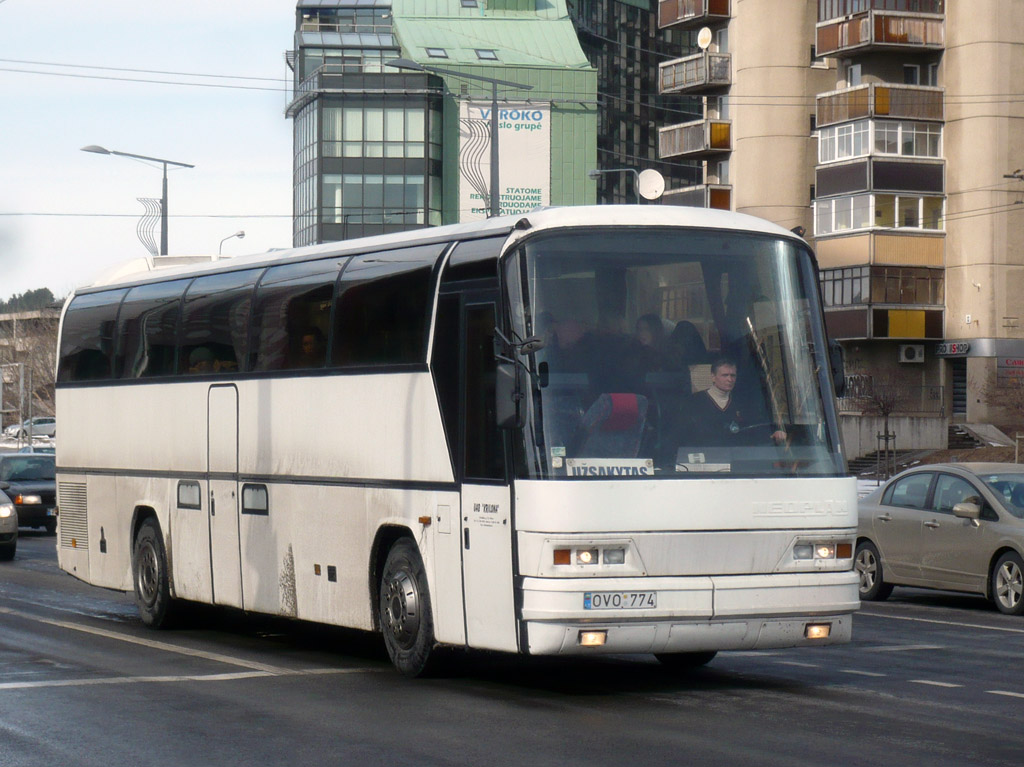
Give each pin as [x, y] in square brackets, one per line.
[222, 462]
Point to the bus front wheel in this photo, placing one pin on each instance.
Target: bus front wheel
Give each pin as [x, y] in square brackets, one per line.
[405, 616]
[149, 573]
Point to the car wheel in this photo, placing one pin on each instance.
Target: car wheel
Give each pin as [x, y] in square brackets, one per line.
[8, 549]
[405, 616]
[681, 661]
[150, 576]
[1008, 584]
[868, 565]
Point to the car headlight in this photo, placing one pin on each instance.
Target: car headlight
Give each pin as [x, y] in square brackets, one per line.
[27, 500]
[6, 510]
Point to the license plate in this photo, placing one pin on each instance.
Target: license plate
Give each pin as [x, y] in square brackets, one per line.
[51, 512]
[620, 600]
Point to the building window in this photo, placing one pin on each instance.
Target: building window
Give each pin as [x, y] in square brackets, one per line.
[374, 131]
[880, 137]
[843, 142]
[357, 199]
[911, 74]
[437, 53]
[486, 54]
[469, 4]
[884, 211]
[845, 287]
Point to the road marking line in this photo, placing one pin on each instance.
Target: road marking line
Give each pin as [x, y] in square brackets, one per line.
[907, 647]
[178, 678]
[797, 663]
[1004, 692]
[858, 672]
[934, 683]
[262, 668]
[943, 623]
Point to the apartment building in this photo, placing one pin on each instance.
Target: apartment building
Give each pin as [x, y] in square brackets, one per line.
[891, 132]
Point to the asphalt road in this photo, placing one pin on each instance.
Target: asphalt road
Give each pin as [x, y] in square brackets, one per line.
[930, 679]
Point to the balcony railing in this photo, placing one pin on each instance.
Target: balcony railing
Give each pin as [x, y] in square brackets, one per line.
[701, 138]
[875, 30]
[718, 196]
[702, 71]
[690, 13]
[909, 102]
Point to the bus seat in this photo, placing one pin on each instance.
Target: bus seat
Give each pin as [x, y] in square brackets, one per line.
[613, 426]
[700, 377]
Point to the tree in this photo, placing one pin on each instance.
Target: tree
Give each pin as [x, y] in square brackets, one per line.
[32, 342]
[40, 298]
[884, 395]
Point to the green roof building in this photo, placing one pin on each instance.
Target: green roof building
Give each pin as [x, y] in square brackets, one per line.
[380, 148]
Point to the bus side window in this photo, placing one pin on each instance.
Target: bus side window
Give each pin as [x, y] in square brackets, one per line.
[383, 308]
[215, 323]
[483, 440]
[147, 329]
[87, 341]
[292, 313]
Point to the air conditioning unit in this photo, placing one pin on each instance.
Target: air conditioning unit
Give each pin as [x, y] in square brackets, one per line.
[911, 352]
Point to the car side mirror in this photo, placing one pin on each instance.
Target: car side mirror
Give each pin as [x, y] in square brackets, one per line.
[967, 510]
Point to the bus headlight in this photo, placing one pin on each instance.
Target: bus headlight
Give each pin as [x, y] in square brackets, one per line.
[586, 556]
[6, 510]
[27, 500]
[614, 556]
[823, 550]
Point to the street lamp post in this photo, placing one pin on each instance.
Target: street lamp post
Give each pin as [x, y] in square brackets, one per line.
[240, 234]
[163, 199]
[636, 177]
[495, 193]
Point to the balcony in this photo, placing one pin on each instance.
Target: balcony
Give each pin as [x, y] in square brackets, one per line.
[880, 30]
[718, 196]
[685, 14]
[695, 140]
[702, 72]
[910, 102]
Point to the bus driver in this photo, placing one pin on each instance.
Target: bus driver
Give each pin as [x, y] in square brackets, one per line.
[716, 415]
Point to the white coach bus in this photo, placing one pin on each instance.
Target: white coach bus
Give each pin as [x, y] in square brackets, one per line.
[491, 435]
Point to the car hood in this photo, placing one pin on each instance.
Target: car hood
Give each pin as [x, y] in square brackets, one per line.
[35, 486]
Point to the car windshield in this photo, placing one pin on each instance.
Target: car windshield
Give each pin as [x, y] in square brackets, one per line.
[27, 468]
[671, 353]
[1010, 489]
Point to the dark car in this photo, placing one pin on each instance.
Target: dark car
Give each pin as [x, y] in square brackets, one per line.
[8, 528]
[29, 479]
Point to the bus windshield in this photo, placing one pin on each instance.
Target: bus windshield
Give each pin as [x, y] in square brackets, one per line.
[671, 353]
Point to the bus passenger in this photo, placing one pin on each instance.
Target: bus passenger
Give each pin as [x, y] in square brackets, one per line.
[312, 349]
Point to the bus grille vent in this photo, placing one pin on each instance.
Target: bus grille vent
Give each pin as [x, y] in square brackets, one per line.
[74, 515]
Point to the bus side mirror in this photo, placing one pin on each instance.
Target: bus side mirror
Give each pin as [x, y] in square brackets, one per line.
[838, 366]
[508, 392]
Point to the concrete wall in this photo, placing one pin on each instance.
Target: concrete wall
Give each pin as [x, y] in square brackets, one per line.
[912, 433]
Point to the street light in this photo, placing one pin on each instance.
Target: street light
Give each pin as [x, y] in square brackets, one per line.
[163, 199]
[495, 193]
[239, 234]
[636, 177]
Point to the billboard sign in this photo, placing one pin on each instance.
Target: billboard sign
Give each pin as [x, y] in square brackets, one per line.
[524, 148]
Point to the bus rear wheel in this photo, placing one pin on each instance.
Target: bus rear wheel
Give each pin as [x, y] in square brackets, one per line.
[150, 576]
[405, 616]
[681, 661]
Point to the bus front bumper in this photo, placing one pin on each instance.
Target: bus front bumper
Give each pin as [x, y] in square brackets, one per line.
[691, 614]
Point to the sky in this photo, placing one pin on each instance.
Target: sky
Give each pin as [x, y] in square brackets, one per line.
[66, 215]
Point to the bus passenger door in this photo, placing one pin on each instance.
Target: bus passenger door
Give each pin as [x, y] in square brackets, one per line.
[487, 574]
[222, 475]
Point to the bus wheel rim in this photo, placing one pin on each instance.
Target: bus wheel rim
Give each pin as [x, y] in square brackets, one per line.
[402, 609]
[148, 573]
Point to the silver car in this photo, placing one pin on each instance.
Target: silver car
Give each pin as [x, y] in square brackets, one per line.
[953, 526]
[40, 426]
[8, 528]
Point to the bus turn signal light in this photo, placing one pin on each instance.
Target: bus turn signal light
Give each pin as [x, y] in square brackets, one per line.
[563, 556]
